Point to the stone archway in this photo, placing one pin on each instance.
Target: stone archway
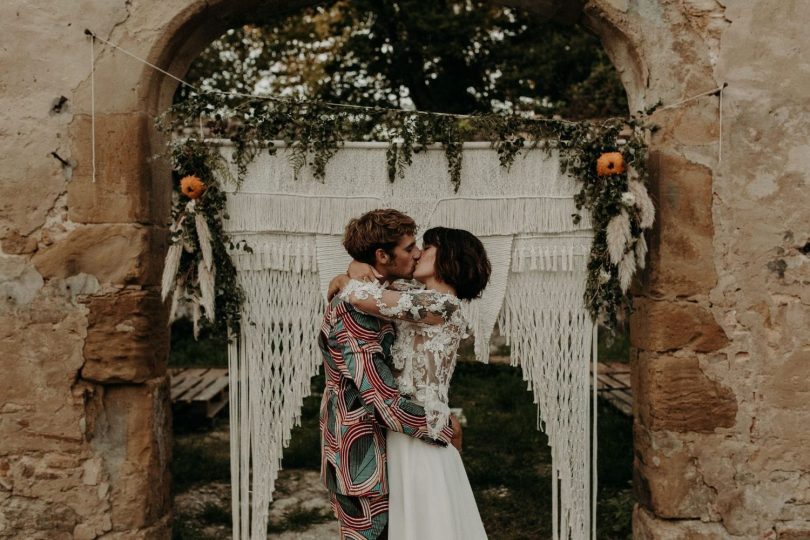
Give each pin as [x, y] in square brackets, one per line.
[87, 437]
[647, 62]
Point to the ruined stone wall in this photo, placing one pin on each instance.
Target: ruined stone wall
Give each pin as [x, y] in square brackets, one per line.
[84, 419]
[721, 341]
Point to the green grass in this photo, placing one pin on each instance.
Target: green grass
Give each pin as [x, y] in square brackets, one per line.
[197, 461]
[614, 347]
[299, 520]
[508, 461]
[191, 527]
[208, 351]
[215, 514]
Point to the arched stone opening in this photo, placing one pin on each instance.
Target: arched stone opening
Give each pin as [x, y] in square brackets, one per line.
[188, 31]
[720, 337]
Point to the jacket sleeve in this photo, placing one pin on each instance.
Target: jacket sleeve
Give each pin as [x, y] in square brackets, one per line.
[357, 337]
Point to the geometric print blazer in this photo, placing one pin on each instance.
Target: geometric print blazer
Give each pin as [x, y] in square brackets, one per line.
[361, 401]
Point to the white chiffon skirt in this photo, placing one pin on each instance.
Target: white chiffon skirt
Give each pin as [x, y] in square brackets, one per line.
[430, 494]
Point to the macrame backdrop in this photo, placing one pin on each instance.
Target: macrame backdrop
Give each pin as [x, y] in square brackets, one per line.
[294, 227]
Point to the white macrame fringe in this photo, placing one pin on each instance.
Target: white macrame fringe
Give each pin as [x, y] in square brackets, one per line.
[324, 215]
[549, 330]
[552, 252]
[288, 252]
[482, 313]
[294, 229]
[271, 370]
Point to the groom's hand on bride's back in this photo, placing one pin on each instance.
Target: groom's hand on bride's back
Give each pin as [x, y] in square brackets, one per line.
[457, 435]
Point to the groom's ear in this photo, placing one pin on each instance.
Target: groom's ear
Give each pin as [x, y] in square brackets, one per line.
[381, 256]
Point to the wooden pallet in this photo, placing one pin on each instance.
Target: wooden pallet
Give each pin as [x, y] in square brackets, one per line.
[613, 384]
[202, 390]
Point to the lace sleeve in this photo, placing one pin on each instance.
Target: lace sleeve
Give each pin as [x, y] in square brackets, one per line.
[420, 306]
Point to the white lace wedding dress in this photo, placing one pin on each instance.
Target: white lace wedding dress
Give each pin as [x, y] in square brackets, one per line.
[430, 497]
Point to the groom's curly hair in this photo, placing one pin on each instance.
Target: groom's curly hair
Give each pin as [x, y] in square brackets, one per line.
[381, 228]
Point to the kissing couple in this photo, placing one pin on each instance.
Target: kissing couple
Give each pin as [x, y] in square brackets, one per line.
[390, 448]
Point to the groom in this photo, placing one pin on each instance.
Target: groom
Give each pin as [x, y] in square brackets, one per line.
[361, 399]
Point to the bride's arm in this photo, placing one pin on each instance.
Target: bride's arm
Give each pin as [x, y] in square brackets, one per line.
[426, 307]
[357, 270]
[362, 271]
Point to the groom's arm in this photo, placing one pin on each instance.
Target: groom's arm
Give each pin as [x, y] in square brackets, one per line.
[356, 335]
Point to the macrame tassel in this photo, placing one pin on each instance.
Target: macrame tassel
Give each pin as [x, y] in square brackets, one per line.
[206, 281]
[549, 331]
[618, 234]
[204, 236]
[277, 356]
[170, 268]
[482, 313]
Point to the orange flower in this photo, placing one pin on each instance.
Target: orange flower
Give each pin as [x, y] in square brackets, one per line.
[192, 187]
[610, 163]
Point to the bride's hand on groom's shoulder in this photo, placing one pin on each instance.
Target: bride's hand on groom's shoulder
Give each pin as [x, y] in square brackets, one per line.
[362, 272]
[336, 285]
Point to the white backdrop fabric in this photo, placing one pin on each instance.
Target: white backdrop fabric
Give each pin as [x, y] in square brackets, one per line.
[294, 226]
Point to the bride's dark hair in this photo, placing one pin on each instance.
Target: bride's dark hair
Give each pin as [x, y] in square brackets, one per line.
[461, 260]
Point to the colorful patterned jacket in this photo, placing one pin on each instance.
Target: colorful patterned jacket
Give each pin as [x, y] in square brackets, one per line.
[360, 402]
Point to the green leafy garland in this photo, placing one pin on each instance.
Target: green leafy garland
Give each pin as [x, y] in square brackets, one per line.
[314, 132]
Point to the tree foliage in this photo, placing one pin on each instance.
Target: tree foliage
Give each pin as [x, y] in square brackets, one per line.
[449, 56]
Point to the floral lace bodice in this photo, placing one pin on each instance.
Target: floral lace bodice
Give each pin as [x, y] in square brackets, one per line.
[430, 327]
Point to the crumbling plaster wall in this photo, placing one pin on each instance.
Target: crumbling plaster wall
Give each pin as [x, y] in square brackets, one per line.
[721, 346]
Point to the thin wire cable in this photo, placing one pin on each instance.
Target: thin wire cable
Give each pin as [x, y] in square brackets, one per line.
[139, 59]
[716, 91]
[93, 103]
[287, 100]
[346, 105]
[692, 98]
[720, 130]
[595, 434]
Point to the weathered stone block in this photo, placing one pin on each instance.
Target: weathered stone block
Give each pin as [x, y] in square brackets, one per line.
[40, 357]
[674, 394]
[681, 253]
[666, 477]
[123, 190]
[120, 254]
[127, 337]
[786, 383]
[16, 244]
[39, 519]
[134, 438]
[658, 325]
[646, 526]
[791, 533]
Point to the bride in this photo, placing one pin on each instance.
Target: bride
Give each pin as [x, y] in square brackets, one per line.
[430, 497]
